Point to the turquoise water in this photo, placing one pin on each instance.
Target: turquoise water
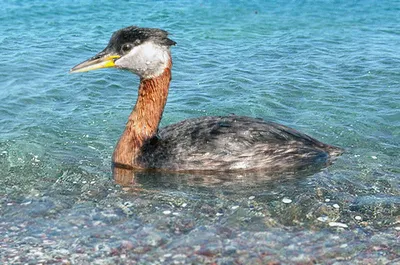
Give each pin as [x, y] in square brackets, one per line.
[330, 69]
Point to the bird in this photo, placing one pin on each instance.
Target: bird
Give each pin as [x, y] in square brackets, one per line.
[229, 143]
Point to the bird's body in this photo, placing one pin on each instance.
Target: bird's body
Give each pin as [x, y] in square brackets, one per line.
[232, 143]
[211, 143]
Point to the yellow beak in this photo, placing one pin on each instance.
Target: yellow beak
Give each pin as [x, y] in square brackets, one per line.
[101, 60]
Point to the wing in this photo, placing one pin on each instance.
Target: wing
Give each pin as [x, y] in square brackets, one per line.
[225, 143]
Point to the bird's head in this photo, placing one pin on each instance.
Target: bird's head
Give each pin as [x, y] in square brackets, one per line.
[143, 51]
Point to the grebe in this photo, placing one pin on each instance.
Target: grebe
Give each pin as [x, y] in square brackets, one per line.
[215, 143]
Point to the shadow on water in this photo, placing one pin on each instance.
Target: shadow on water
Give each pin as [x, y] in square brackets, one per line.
[248, 201]
[310, 197]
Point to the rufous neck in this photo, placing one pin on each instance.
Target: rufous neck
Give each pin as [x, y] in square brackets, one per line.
[144, 120]
[152, 97]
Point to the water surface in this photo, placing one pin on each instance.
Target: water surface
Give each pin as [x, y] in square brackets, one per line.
[330, 69]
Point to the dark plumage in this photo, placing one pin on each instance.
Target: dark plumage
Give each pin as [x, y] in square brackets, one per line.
[234, 143]
[135, 36]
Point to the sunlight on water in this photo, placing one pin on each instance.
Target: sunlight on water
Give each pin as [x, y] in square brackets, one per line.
[330, 70]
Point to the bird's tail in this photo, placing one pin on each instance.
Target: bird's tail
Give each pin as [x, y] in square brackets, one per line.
[334, 151]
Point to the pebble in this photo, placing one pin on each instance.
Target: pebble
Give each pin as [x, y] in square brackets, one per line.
[397, 228]
[62, 252]
[337, 224]
[184, 205]
[178, 256]
[336, 206]
[286, 200]
[358, 218]
[327, 200]
[374, 157]
[166, 212]
[323, 218]
[126, 244]
[252, 197]
[26, 203]
[235, 207]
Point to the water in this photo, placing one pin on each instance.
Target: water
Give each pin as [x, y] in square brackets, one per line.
[327, 68]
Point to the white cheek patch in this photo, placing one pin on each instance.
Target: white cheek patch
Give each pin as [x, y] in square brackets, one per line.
[146, 60]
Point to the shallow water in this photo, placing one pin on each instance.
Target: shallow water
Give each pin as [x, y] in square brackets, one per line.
[329, 69]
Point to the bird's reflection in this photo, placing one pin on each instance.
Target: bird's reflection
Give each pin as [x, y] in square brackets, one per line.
[137, 180]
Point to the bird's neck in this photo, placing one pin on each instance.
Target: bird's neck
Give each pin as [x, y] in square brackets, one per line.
[143, 122]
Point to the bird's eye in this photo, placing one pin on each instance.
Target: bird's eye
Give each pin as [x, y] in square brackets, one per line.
[126, 47]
